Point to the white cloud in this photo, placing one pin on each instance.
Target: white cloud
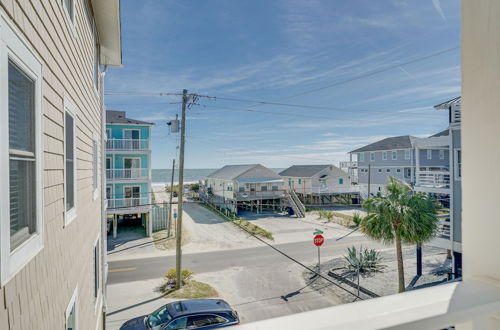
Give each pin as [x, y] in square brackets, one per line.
[437, 6]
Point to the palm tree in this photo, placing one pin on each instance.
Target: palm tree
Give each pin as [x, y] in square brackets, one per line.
[402, 216]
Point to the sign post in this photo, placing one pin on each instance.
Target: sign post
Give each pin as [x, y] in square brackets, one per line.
[318, 241]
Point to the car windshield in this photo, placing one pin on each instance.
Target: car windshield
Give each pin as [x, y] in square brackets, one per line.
[159, 317]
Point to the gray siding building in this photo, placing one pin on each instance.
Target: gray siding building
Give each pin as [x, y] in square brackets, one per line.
[376, 162]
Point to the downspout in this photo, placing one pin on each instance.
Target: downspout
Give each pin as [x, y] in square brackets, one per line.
[104, 225]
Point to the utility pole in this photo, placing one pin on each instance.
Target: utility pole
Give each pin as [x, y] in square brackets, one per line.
[178, 238]
[170, 205]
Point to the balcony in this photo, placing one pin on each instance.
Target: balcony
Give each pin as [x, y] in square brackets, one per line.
[127, 144]
[438, 180]
[128, 205]
[127, 174]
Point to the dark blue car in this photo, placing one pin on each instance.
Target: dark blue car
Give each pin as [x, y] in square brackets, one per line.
[186, 314]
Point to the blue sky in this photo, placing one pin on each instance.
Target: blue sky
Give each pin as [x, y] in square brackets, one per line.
[282, 51]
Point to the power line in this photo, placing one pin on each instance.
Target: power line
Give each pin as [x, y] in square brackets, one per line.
[265, 102]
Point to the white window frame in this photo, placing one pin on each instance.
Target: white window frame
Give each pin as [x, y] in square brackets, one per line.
[95, 166]
[384, 155]
[455, 164]
[14, 47]
[96, 71]
[361, 156]
[97, 290]
[110, 132]
[372, 156]
[70, 108]
[398, 170]
[380, 170]
[388, 170]
[71, 21]
[394, 155]
[407, 154]
[429, 154]
[441, 154]
[131, 129]
[72, 302]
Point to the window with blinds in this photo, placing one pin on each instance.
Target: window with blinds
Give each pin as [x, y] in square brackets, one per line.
[22, 159]
[69, 140]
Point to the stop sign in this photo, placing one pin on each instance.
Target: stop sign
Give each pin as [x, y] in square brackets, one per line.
[318, 240]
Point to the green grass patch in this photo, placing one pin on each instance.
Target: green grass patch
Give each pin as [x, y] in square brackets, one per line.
[254, 229]
[192, 290]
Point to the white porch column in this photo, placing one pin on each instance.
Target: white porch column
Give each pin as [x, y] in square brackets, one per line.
[480, 152]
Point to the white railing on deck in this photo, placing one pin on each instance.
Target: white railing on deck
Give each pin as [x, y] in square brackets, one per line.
[127, 144]
[128, 202]
[259, 194]
[444, 229]
[346, 164]
[433, 179]
[456, 116]
[127, 173]
[332, 190]
[437, 307]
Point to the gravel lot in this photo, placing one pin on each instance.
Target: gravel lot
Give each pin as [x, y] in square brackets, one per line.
[385, 283]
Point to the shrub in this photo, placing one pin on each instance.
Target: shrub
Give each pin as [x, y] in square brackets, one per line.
[329, 215]
[194, 187]
[356, 218]
[171, 276]
[367, 261]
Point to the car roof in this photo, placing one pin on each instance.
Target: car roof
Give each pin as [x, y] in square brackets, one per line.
[196, 306]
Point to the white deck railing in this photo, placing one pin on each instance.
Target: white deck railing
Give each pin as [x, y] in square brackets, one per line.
[348, 164]
[332, 190]
[127, 173]
[127, 202]
[437, 307]
[444, 229]
[433, 179]
[127, 144]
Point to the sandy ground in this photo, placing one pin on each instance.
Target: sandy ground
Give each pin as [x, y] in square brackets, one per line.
[286, 229]
[385, 283]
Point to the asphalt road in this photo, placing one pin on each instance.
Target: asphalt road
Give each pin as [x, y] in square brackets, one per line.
[150, 268]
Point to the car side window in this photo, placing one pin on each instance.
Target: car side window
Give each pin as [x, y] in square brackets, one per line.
[199, 321]
[180, 323]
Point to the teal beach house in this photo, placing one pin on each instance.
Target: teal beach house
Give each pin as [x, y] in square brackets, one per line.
[128, 169]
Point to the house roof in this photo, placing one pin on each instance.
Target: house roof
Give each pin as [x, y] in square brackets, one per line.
[120, 117]
[303, 170]
[107, 18]
[447, 104]
[442, 133]
[230, 172]
[390, 143]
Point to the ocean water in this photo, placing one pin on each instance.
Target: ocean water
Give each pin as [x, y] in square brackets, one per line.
[162, 176]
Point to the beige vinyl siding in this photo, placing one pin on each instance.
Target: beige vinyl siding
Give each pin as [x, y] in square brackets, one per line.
[38, 295]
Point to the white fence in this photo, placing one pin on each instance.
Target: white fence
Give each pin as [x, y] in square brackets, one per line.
[159, 217]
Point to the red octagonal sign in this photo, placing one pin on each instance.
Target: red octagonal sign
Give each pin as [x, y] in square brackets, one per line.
[319, 240]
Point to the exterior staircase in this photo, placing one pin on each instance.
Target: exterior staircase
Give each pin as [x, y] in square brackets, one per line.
[295, 203]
